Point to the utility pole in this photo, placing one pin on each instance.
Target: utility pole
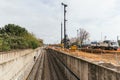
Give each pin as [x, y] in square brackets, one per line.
[101, 36]
[77, 37]
[77, 34]
[65, 35]
[117, 38]
[61, 32]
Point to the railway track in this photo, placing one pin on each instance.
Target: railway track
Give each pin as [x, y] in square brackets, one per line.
[55, 66]
[37, 68]
[46, 68]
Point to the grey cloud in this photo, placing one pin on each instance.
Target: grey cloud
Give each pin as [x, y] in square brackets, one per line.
[43, 17]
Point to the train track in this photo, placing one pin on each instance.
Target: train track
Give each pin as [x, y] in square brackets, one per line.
[37, 68]
[46, 68]
[55, 66]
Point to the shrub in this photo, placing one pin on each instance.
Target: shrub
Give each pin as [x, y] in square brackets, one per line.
[15, 37]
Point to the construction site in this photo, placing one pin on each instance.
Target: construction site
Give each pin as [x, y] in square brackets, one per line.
[72, 40]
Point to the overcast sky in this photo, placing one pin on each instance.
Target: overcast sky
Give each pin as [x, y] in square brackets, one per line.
[43, 17]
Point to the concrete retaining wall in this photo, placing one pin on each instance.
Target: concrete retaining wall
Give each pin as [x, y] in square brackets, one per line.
[84, 69]
[17, 65]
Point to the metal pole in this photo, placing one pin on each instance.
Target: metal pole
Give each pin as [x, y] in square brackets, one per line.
[77, 37]
[64, 28]
[101, 36]
[117, 38]
[77, 34]
[64, 24]
[61, 32]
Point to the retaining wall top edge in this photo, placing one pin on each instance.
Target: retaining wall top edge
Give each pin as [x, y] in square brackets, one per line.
[18, 52]
[86, 60]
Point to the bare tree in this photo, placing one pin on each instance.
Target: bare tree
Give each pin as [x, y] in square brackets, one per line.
[83, 35]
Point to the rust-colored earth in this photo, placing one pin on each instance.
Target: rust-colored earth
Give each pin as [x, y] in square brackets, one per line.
[112, 57]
